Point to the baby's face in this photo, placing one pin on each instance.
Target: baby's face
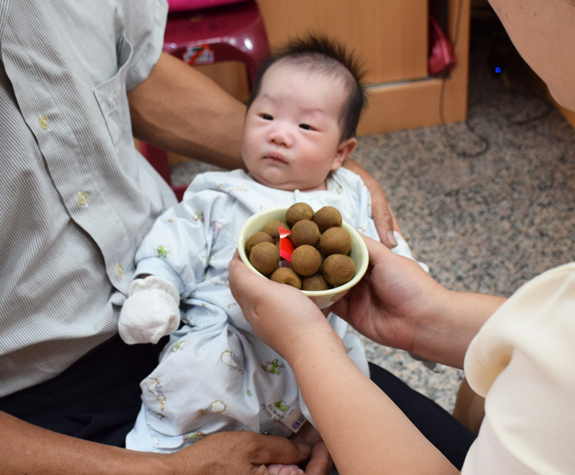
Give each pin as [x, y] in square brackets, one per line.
[292, 133]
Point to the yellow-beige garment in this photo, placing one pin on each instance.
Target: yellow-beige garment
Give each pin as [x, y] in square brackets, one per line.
[523, 362]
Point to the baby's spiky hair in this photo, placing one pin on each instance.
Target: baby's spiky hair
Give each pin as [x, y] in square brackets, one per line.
[320, 54]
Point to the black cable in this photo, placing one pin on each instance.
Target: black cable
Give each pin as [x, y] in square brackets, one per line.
[548, 108]
[483, 140]
[509, 90]
[486, 145]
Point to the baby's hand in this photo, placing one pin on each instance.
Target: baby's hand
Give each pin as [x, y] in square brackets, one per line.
[279, 469]
[308, 435]
[150, 311]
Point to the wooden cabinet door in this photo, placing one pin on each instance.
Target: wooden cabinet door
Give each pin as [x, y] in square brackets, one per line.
[389, 36]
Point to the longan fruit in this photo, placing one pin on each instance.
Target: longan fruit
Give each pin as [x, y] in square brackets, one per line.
[327, 217]
[256, 239]
[306, 260]
[338, 269]
[335, 241]
[285, 275]
[305, 232]
[265, 257]
[272, 228]
[314, 283]
[297, 212]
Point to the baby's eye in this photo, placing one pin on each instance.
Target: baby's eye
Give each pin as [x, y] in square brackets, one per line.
[267, 117]
[305, 127]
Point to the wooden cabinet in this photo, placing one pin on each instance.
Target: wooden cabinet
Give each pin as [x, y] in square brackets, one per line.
[391, 37]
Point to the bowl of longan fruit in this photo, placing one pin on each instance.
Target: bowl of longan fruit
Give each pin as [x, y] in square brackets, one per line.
[314, 251]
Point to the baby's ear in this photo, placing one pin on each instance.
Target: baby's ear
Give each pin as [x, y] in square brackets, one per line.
[344, 150]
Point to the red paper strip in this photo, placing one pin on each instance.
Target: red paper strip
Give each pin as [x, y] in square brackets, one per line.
[286, 246]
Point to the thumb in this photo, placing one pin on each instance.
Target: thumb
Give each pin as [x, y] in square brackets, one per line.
[280, 450]
[377, 251]
[243, 282]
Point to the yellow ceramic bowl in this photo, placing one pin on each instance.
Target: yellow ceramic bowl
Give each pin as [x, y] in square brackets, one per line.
[322, 298]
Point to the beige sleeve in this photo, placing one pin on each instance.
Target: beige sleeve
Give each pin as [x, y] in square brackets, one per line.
[523, 362]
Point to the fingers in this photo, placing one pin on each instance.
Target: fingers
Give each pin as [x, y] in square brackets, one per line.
[377, 254]
[384, 226]
[238, 452]
[278, 469]
[376, 251]
[395, 223]
[237, 270]
[248, 287]
[242, 280]
[267, 449]
[320, 462]
[383, 217]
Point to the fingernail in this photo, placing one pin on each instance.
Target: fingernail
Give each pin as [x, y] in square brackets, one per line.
[391, 238]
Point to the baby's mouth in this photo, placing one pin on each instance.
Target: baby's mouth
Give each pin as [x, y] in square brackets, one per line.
[274, 157]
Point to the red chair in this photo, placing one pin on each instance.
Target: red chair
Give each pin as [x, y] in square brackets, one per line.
[209, 31]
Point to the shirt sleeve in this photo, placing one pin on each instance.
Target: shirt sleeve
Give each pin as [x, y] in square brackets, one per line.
[521, 361]
[145, 26]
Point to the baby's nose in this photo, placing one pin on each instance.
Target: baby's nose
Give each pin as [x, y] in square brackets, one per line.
[281, 135]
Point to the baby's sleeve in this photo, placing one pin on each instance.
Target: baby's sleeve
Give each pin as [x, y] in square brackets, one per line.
[178, 245]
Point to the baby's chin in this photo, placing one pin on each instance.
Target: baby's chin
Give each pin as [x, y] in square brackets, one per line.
[280, 184]
[290, 186]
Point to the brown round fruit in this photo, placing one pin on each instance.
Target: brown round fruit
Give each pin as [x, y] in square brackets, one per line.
[327, 217]
[305, 232]
[265, 257]
[338, 269]
[297, 212]
[306, 260]
[335, 241]
[256, 239]
[285, 275]
[314, 283]
[272, 228]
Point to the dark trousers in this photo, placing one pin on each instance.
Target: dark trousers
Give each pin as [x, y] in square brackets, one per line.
[434, 422]
[98, 399]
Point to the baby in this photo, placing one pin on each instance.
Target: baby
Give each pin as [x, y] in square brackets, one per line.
[214, 374]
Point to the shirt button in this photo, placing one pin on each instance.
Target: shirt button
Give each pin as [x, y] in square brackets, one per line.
[44, 121]
[82, 198]
[119, 270]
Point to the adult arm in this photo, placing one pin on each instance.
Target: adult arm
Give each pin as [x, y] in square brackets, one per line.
[383, 216]
[398, 304]
[363, 429]
[25, 448]
[180, 110]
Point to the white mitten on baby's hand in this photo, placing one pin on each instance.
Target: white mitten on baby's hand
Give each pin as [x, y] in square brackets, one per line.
[151, 311]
